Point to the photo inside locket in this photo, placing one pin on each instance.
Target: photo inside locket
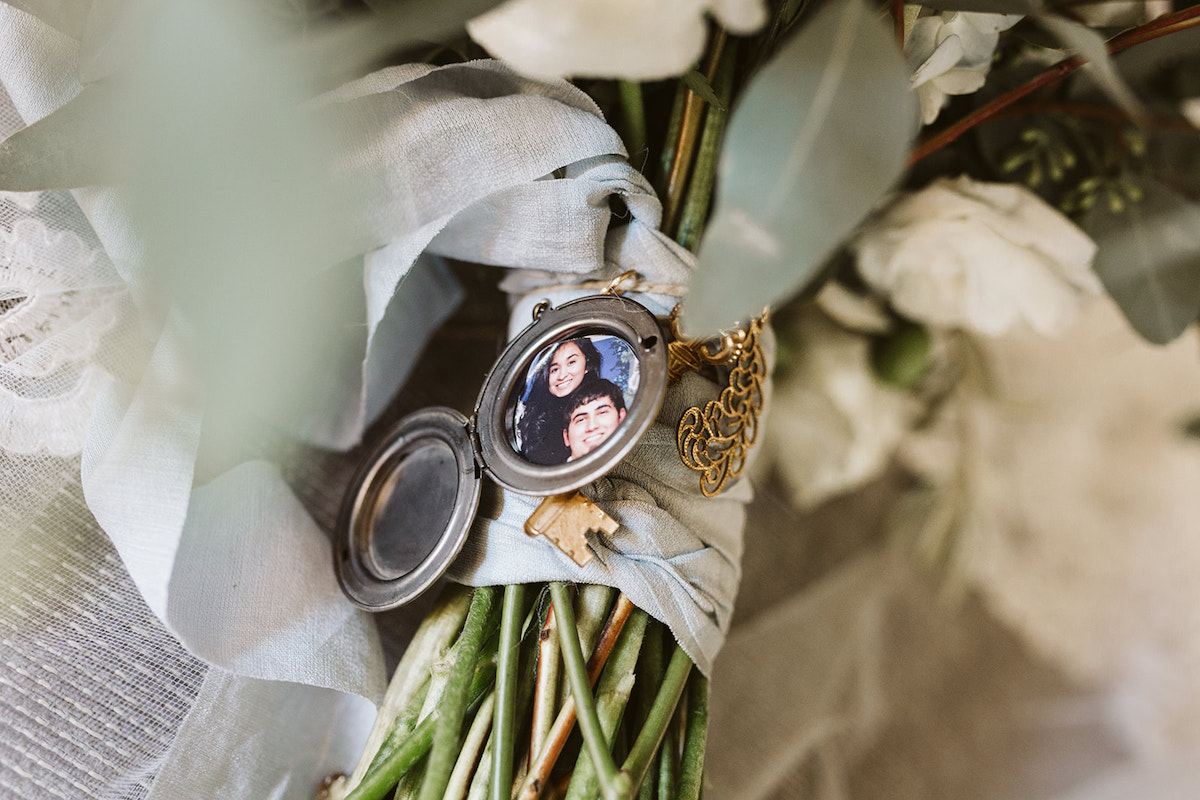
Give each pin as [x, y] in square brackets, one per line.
[572, 396]
[411, 508]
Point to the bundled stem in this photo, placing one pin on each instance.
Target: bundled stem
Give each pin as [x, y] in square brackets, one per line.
[612, 695]
[456, 696]
[691, 770]
[700, 188]
[684, 148]
[504, 724]
[612, 786]
[539, 771]
[661, 712]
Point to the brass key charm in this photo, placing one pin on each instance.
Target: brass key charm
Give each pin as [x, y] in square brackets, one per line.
[565, 519]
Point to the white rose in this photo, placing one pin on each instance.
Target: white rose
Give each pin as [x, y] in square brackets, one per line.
[635, 39]
[950, 53]
[1079, 513]
[981, 256]
[833, 425]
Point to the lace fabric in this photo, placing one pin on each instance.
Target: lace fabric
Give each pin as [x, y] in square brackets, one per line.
[59, 297]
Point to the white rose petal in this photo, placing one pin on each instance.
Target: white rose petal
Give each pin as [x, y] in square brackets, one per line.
[1190, 109]
[1079, 520]
[950, 54]
[980, 256]
[833, 425]
[632, 39]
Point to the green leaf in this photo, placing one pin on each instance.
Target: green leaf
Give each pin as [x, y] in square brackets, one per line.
[821, 134]
[68, 148]
[902, 357]
[113, 34]
[1149, 260]
[699, 84]
[1089, 45]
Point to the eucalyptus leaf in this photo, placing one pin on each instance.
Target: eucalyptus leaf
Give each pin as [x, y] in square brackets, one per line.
[228, 180]
[66, 149]
[112, 34]
[699, 84]
[1090, 46]
[1149, 260]
[821, 134]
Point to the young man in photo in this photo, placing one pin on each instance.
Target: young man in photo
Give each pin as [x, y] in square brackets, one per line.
[594, 411]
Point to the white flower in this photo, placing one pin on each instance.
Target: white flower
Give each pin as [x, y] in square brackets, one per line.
[833, 426]
[981, 256]
[950, 53]
[635, 39]
[1080, 513]
[1190, 109]
[1120, 13]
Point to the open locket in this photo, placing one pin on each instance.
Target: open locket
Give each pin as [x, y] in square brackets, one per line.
[568, 398]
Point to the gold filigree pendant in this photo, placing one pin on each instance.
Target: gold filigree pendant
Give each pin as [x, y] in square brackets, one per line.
[716, 440]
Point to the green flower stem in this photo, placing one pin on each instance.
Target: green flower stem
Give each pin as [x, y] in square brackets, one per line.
[472, 747]
[650, 673]
[633, 109]
[410, 785]
[700, 189]
[670, 140]
[685, 143]
[612, 695]
[428, 645]
[384, 776]
[545, 758]
[593, 604]
[401, 728]
[611, 784]
[506, 691]
[481, 781]
[455, 696]
[666, 766]
[661, 712]
[691, 769]
[545, 698]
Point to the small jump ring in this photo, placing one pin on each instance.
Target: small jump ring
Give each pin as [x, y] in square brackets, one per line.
[614, 285]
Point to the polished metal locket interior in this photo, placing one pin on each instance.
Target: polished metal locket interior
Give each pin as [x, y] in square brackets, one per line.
[409, 508]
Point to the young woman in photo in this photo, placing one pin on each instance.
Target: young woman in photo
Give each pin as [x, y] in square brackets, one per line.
[540, 426]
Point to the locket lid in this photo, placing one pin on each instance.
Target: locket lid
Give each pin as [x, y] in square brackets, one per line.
[408, 510]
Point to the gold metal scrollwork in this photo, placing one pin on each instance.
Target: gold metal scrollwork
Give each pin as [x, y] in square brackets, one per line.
[716, 440]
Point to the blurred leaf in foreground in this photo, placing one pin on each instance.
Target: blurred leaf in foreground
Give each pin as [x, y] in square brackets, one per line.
[1149, 259]
[66, 149]
[230, 185]
[822, 132]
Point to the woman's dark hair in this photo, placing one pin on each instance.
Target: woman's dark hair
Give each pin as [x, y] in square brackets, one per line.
[540, 426]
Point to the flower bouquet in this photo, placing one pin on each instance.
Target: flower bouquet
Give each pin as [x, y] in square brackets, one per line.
[258, 238]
